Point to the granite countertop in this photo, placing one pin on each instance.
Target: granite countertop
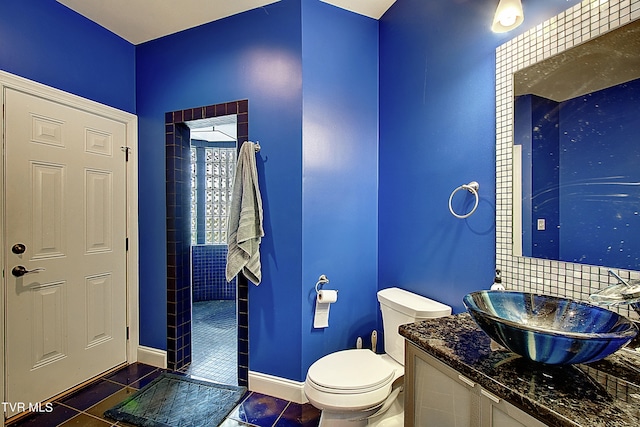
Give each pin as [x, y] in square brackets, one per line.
[602, 393]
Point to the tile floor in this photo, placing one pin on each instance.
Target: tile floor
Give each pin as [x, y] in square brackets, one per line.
[85, 406]
[214, 352]
[214, 323]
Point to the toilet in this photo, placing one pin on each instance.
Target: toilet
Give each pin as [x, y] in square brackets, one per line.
[358, 387]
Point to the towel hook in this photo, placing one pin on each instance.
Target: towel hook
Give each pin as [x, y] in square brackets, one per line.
[256, 145]
[472, 188]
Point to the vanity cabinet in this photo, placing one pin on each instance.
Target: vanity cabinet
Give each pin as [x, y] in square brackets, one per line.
[498, 412]
[437, 395]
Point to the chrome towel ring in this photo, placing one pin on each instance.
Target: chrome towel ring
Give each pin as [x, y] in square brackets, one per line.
[472, 188]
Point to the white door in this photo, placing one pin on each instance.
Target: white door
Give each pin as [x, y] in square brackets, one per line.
[66, 225]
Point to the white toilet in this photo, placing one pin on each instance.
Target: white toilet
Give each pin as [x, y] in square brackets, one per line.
[360, 388]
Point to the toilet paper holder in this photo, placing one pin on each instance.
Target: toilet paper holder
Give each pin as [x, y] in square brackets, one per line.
[324, 299]
[321, 281]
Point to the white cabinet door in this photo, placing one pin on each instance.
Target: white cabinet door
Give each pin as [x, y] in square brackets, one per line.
[437, 395]
[497, 412]
[440, 396]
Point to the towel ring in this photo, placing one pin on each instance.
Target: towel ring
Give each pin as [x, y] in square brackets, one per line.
[472, 188]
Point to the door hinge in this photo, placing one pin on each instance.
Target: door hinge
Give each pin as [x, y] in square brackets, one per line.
[127, 332]
[126, 244]
[126, 152]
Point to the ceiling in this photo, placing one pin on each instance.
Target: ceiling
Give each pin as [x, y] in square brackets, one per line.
[138, 21]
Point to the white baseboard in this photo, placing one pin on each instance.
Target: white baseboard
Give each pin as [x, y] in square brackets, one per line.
[152, 356]
[281, 388]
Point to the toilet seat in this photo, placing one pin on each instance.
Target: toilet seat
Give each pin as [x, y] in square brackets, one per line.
[349, 379]
[350, 371]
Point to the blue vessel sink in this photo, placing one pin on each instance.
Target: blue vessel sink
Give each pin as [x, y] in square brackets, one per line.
[549, 329]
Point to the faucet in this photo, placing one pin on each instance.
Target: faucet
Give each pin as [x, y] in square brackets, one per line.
[620, 279]
[622, 293]
[631, 289]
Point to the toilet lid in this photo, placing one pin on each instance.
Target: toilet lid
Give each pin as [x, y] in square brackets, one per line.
[350, 371]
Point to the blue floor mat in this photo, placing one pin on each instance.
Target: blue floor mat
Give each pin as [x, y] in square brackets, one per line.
[177, 401]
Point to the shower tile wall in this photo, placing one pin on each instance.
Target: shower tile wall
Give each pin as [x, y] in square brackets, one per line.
[178, 168]
[209, 282]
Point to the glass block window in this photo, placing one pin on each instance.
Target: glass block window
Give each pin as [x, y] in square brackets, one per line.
[194, 197]
[212, 170]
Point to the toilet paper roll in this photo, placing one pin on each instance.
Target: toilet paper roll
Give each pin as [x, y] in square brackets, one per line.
[327, 297]
[323, 304]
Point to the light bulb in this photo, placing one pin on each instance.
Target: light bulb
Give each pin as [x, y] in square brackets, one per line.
[508, 16]
[508, 19]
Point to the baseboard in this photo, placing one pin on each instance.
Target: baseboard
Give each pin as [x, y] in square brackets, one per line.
[152, 356]
[281, 388]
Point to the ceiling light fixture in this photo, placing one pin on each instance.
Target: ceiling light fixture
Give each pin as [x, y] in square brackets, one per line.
[508, 16]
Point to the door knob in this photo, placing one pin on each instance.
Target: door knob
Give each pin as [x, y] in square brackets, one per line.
[21, 270]
[18, 248]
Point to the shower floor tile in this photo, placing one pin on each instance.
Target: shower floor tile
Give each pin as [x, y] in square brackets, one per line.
[214, 342]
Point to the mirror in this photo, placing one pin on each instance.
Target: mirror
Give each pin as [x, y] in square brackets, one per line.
[576, 153]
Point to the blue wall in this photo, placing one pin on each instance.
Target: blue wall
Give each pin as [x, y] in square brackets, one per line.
[340, 183]
[45, 41]
[318, 204]
[255, 55]
[437, 131]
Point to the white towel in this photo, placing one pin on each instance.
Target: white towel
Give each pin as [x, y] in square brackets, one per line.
[245, 231]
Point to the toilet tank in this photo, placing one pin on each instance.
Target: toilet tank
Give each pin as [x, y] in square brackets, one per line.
[400, 307]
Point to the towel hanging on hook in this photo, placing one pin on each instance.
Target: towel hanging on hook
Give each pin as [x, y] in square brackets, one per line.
[244, 227]
[256, 145]
[472, 188]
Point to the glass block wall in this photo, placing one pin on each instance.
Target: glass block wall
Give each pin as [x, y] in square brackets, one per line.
[212, 172]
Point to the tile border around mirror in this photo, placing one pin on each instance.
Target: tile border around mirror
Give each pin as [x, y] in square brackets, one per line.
[574, 26]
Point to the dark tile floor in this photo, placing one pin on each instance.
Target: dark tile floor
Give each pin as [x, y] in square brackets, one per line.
[85, 406]
[214, 359]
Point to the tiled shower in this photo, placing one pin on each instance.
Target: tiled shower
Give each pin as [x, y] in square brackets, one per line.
[214, 323]
[203, 284]
[208, 274]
